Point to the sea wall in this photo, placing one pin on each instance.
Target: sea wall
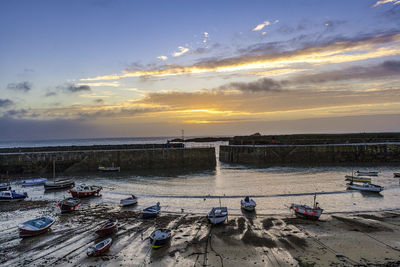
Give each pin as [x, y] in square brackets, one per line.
[78, 160]
[339, 154]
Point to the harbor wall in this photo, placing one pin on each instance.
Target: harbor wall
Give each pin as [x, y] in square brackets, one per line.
[76, 160]
[324, 154]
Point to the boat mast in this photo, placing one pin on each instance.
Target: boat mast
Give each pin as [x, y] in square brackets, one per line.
[54, 169]
[315, 196]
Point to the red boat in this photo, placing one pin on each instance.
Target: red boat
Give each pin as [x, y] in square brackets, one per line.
[99, 248]
[83, 190]
[36, 226]
[108, 228]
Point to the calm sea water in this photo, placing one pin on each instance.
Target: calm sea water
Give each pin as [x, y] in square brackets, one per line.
[273, 188]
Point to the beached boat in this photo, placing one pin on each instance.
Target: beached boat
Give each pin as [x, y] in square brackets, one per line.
[109, 169]
[248, 204]
[36, 226]
[59, 184]
[128, 201]
[307, 212]
[372, 173]
[396, 174]
[69, 204]
[33, 182]
[218, 215]
[151, 212]
[5, 186]
[9, 195]
[160, 238]
[108, 228]
[99, 248]
[84, 190]
[366, 187]
[357, 179]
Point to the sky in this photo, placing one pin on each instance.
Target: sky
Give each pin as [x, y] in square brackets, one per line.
[100, 68]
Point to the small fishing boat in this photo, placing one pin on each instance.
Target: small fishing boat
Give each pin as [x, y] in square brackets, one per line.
[69, 204]
[108, 228]
[99, 248]
[396, 174]
[58, 184]
[12, 196]
[160, 238]
[307, 212]
[33, 182]
[109, 169]
[5, 186]
[357, 179]
[372, 173]
[128, 201]
[248, 204]
[84, 190]
[366, 187]
[36, 226]
[218, 215]
[151, 212]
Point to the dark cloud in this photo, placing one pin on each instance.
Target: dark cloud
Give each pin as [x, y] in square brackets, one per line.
[48, 94]
[385, 69]
[99, 101]
[5, 103]
[72, 88]
[123, 112]
[20, 86]
[261, 85]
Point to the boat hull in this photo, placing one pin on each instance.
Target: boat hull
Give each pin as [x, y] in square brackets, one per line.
[365, 189]
[81, 194]
[396, 174]
[55, 185]
[128, 202]
[108, 228]
[306, 212]
[248, 206]
[160, 242]
[69, 205]
[357, 179]
[24, 232]
[218, 215]
[100, 248]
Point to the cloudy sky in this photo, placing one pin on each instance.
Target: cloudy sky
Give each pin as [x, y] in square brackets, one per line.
[99, 68]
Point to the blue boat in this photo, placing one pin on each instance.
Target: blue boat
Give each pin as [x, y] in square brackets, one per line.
[9, 195]
[33, 182]
[151, 212]
[35, 226]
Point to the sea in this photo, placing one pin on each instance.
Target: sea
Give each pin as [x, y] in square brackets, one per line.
[273, 188]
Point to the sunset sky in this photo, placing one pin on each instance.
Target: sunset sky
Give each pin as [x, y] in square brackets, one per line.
[99, 68]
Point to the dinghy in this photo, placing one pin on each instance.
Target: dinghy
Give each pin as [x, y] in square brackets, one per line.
[36, 226]
[12, 196]
[248, 204]
[99, 248]
[357, 179]
[128, 201]
[360, 173]
[33, 182]
[5, 186]
[218, 215]
[366, 187]
[108, 228]
[84, 190]
[151, 212]
[69, 204]
[58, 184]
[307, 212]
[160, 238]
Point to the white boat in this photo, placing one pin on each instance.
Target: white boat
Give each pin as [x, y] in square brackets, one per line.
[59, 183]
[99, 248]
[248, 204]
[151, 212]
[160, 238]
[5, 186]
[307, 212]
[372, 173]
[128, 201]
[33, 182]
[367, 187]
[9, 195]
[218, 215]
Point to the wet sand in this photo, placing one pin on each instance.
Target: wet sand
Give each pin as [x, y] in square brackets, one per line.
[336, 240]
